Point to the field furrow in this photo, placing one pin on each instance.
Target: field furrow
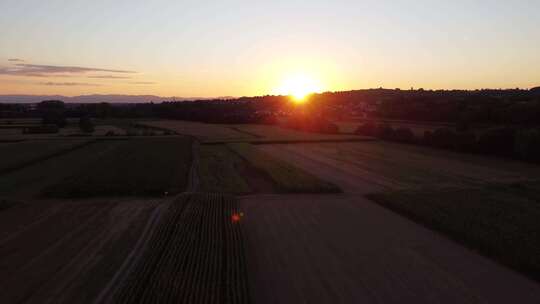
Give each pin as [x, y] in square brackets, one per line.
[195, 256]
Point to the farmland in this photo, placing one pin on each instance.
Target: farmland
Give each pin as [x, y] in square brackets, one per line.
[286, 177]
[157, 167]
[64, 252]
[220, 170]
[208, 213]
[250, 133]
[30, 180]
[196, 254]
[17, 155]
[496, 220]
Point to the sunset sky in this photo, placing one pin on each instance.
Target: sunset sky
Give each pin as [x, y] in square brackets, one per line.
[243, 48]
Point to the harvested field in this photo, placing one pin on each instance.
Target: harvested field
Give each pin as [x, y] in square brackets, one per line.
[286, 177]
[153, 166]
[30, 180]
[249, 133]
[65, 252]
[220, 170]
[276, 133]
[18, 155]
[196, 255]
[345, 249]
[395, 166]
[500, 221]
[496, 220]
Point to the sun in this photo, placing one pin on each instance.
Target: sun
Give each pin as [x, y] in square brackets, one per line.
[299, 86]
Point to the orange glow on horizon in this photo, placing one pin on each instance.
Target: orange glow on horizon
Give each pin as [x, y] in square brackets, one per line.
[299, 87]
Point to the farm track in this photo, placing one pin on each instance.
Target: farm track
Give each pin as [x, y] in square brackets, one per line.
[195, 256]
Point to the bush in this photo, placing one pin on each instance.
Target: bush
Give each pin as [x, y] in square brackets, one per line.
[404, 135]
[53, 112]
[500, 141]
[367, 128]
[54, 118]
[527, 145]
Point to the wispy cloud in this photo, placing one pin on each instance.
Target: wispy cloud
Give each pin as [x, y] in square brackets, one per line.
[15, 60]
[109, 77]
[142, 82]
[69, 84]
[38, 70]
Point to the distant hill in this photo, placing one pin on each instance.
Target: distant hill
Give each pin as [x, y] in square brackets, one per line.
[93, 98]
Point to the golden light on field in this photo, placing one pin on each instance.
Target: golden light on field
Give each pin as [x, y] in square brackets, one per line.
[299, 86]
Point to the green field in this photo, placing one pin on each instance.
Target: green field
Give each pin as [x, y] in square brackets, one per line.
[148, 167]
[286, 177]
[501, 221]
[18, 155]
[219, 170]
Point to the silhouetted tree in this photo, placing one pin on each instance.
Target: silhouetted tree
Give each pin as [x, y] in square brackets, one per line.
[52, 112]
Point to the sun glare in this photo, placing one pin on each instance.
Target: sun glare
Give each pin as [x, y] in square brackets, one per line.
[299, 87]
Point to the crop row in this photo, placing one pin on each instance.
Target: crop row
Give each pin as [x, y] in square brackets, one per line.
[194, 256]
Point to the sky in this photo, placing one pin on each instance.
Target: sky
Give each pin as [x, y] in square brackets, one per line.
[245, 48]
